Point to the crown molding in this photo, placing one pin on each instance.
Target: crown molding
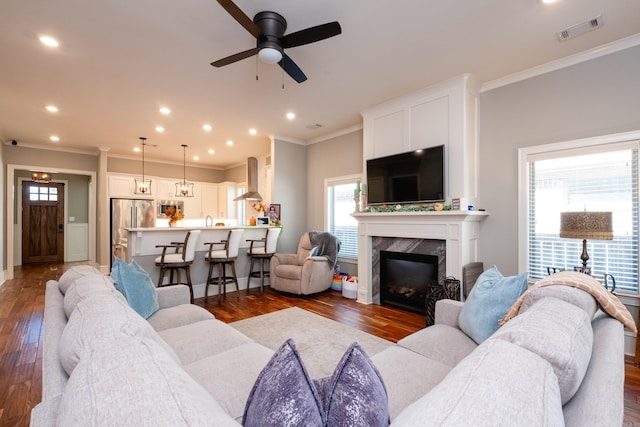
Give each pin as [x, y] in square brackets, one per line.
[336, 134]
[568, 61]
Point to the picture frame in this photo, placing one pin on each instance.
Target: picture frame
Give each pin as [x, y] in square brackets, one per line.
[455, 204]
[274, 212]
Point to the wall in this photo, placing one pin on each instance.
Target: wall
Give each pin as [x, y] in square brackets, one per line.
[3, 229]
[289, 163]
[331, 158]
[164, 170]
[597, 97]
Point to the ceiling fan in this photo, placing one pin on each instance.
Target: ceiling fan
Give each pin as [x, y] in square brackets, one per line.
[268, 28]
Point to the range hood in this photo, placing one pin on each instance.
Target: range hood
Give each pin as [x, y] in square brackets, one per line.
[252, 181]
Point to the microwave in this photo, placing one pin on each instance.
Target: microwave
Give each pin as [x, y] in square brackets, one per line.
[163, 205]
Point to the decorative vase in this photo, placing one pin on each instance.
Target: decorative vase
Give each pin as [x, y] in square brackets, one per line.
[173, 224]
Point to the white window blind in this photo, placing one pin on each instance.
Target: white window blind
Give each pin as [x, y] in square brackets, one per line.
[606, 180]
[340, 205]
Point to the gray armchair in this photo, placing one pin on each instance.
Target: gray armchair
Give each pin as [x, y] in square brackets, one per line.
[301, 273]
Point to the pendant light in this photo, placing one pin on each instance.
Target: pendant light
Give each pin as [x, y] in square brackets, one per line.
[184, 188]
[143, 186]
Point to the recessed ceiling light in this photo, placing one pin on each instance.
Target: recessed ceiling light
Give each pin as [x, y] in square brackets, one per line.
[136, 149]
[211, 151]
[165, 110]
[229, 143]
[291, 116]
[252, 131]
[547, 1]
[54, 138]
[49, 41]
[51, 108]
[196, 158]
[159, 129]
[207, 127]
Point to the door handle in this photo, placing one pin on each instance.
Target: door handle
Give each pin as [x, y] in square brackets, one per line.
[60, 228]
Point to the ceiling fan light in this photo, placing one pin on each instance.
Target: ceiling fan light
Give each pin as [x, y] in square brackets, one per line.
[270, 55]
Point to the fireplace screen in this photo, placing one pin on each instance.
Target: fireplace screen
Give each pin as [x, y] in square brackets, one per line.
[405, 279]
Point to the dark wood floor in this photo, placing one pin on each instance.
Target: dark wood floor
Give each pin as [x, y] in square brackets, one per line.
[22, 303]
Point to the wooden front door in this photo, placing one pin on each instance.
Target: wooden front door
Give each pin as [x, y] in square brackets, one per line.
[42, 222]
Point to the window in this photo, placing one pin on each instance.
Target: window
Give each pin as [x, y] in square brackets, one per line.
[596, 178]
[42, 193]
[340, 205]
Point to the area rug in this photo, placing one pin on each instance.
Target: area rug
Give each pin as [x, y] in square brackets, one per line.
[320, 341]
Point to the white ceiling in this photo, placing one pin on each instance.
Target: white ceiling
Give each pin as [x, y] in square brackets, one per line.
[120, 60]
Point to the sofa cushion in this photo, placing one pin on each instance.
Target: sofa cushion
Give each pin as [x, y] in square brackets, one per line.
[239, 366]
[560, 333]
[74, 273]
[489, 300]
[198, 340]
[99, 318]
[355, 394]
[87, 286]
[284, 394]
[575, 296]
[407, 376]
[499, 384]
[291, 272]
[136, 286]
[439, 342]
[132, 381]
[179, 315]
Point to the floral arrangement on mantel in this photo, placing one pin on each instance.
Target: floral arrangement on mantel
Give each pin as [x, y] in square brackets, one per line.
[174, 215]
[408, 208]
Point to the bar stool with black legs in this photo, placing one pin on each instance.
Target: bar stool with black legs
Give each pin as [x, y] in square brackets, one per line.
[180, 259]
[221, 258]
[261, 251]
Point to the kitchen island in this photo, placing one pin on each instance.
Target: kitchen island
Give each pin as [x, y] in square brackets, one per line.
[141, 247]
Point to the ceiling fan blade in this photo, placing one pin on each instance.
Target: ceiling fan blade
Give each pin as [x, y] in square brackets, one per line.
[235, 57]
[241, 17]
[290, 67]
[311, 34]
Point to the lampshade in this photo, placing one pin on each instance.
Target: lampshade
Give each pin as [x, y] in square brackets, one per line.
[586, 225]
[143, 186]
[184, 188]
[270, 55]
[40, 176]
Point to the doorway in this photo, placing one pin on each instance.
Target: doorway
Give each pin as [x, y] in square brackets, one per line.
[42, 222]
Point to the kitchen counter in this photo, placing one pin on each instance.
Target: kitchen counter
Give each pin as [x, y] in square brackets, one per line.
[141, 246]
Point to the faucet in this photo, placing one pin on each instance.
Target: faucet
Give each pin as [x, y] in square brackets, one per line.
[209, 221]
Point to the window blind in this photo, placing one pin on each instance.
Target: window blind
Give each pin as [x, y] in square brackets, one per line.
[340, 206]
[602, 181]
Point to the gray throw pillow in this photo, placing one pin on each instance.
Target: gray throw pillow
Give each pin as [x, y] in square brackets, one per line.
[355, 394]
[284, 394]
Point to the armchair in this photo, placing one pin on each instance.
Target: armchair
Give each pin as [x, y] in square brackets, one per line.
[302, 273]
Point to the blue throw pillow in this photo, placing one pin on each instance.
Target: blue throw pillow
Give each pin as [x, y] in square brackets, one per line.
[489, 300]
[284, 394]
[136, 286]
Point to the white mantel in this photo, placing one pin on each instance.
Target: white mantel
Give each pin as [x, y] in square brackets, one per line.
[459, 229]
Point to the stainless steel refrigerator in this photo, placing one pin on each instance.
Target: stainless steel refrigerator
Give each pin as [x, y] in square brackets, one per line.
[129, 213]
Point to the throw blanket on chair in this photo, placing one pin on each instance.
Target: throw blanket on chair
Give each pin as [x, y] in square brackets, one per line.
[607, 302]
[328, 245]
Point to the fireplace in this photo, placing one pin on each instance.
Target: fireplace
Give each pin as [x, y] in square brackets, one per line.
[404, 279]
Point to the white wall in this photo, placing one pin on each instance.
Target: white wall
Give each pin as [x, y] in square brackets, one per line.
[597, 97]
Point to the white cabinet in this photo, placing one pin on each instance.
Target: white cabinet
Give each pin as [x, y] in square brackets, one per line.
[124, 186]
[226, 205]
[193, 205]
[166, 189]
[209, 204]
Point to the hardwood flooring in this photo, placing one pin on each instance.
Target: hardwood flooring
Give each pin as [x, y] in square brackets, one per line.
[21, 311]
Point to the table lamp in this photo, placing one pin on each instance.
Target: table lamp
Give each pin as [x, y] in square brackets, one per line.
[586, 225]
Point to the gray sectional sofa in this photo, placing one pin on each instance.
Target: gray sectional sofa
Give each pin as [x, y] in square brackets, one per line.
[560, 362]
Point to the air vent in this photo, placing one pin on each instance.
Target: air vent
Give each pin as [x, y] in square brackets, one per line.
[578, 29]
[314, 126]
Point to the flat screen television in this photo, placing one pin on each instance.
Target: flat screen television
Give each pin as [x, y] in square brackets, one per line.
[413, 177]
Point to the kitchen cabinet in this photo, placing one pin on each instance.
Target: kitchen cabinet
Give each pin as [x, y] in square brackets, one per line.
[226, 205]
[123, 186]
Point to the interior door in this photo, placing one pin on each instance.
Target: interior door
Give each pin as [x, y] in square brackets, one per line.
[42, 222]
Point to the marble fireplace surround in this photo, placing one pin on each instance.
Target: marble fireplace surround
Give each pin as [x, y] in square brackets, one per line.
[420, 232]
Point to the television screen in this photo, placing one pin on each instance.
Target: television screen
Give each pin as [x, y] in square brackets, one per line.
[413, 177]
